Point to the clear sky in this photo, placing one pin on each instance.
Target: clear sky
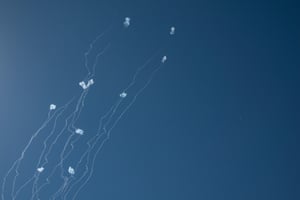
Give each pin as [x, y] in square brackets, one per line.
[220, 120]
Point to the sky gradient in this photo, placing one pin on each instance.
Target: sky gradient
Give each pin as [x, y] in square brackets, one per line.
[219, 121]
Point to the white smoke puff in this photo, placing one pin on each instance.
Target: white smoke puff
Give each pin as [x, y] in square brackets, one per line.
[52, 107]
[40, 169]
[172, 30]
[164, 59]
[123, 94]
[79, 131]
[71, 170]
[90, 82]
[83, 85]
[126, 22]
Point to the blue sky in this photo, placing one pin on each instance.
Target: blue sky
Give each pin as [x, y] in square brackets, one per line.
[219, 120]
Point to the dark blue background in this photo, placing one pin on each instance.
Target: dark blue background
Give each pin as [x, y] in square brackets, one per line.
[219, 121]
